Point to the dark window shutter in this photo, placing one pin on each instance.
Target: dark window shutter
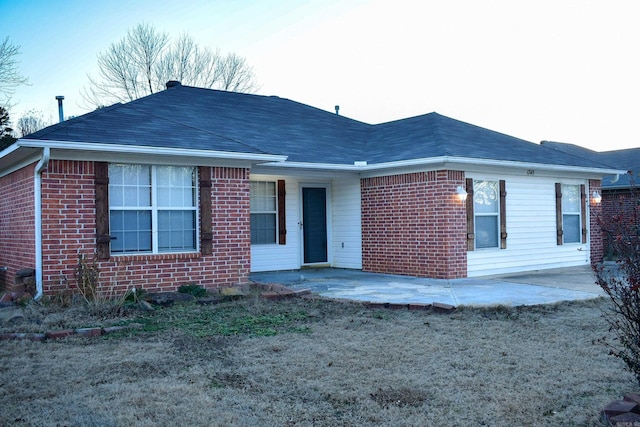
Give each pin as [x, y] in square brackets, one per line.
[102, 209]
[583, 212]
[282, 218]
[559, 213]
[503, 215]
[206, 233]
[471, 237]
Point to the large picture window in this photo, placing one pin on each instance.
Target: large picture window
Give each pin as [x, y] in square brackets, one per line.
[263, 212]
[152, 209]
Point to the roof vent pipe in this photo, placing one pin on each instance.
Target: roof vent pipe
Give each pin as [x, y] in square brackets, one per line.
[60, 113]
[337, 110]
[172, 83]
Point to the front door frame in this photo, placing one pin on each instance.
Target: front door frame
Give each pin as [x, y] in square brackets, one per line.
[327, 187]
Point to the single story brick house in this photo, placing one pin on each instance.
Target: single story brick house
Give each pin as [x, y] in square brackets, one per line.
[201, 186]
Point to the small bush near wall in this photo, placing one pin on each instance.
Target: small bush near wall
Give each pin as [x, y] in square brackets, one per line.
[621, 280]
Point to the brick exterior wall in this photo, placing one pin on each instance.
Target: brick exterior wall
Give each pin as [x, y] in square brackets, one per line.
[413, 224]
[613, 203]
[69, 229]
[17, 222]
[595, 231]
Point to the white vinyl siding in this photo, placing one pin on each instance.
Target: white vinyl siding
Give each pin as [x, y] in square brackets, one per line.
[280, 257]
[344, 225]
[531, 225]
[347, 228]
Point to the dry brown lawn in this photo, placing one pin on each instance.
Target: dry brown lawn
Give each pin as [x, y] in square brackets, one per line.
[310, 362]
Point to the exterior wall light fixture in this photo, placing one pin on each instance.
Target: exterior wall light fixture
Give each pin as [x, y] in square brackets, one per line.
[461, 193]
[596, 198]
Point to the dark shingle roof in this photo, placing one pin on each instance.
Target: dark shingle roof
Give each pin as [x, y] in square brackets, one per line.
[194, 118]
[435, 135]
[628, 159]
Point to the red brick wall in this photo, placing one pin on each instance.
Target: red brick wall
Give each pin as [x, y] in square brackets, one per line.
[69, 230]
[614, 202]
[595, 231]
[17, 229]
[413, 224]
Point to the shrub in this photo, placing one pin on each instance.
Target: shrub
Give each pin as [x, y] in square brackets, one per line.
[102, 300]
[621, 282]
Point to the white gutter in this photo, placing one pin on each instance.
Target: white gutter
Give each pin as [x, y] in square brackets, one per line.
[37, 193]
[139, 149]
[363, 167]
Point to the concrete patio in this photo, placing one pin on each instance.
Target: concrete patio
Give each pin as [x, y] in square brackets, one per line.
[530, 288]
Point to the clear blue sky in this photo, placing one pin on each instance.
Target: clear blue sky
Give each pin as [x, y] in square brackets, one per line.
[562, 70]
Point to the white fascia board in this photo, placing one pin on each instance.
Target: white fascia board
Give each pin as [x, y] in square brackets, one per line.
[494, 163]
[314, 166]
[155, 151]
[444, 161]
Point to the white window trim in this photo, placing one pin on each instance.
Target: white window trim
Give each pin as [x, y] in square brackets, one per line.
[572, 213]
[154, 209]
[275, 212]
[496, 215]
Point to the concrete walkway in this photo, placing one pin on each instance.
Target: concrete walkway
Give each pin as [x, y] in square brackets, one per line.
[531, 288]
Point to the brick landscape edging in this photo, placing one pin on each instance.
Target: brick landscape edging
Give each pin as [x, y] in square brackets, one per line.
[62, 333]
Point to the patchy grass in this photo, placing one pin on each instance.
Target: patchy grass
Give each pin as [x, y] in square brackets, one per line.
[317, 363]
[225, 320]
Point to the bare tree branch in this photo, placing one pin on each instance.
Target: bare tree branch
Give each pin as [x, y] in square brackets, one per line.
[10, 77]
[237, 76]
[31, 122]
[143, 61]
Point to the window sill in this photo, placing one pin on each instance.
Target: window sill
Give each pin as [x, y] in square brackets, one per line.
[156, 257]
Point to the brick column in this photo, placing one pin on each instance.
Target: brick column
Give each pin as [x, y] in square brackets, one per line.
[597, 241]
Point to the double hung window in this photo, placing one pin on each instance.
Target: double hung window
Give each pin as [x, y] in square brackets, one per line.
[264, 212]
[486, 214]
[487, 211]
[152, 209]
[571, 213]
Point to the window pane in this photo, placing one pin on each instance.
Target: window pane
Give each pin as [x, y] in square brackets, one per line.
[571, 228]
[485, 196]
[570, 198]
[263, 196]
[129, 185]
[131, 231]
[263, 229]
[486, 232]
[176, 230]
[176, 186]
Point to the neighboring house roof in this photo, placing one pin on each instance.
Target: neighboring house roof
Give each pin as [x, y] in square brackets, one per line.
[627, 159]
[189, 118]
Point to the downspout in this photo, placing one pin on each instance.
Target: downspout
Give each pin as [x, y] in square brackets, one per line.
[37, 193]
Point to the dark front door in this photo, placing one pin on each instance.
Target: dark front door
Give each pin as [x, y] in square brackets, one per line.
[314, 224]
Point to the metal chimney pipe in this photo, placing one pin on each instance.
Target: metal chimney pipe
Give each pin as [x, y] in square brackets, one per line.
[60, 98]
[337, 110]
